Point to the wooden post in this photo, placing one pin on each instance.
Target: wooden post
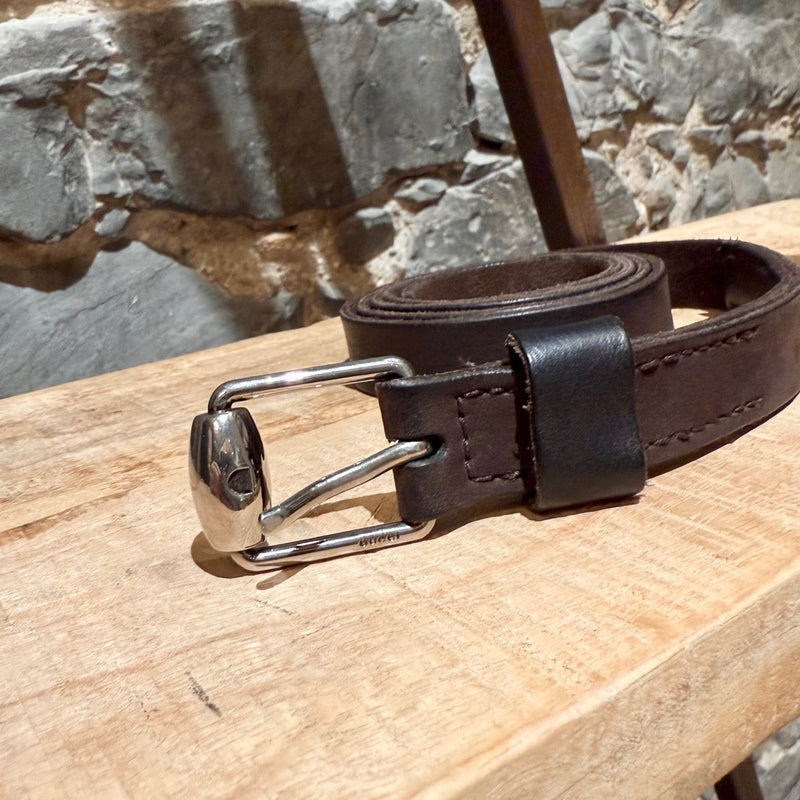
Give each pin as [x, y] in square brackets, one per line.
[534, 97]
[741, 783]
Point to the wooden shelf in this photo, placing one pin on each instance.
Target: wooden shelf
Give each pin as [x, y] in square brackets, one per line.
[637, 651]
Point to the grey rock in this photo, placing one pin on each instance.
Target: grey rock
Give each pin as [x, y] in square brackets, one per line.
[659, 197]
[132, 306]
[749, 185]
[652, 69]
[478, 163]
[491, 219]
[614, 201]
[726, 84]
[363, 235]
[752, 138]
[645, 164]
[403, 104]
[732, 183]
[490, 114]
[675, 83]
[46, 56]
[587, 49]
[716, 195]
[637, 52]
[112, 222]
[45, 191]
[714, 136]
[748, 54]
[773, 56]
[567, 13]
[783, 171]
[422, 191]
[664, 139]
[780, 780]
[263, 109]
[621, 60]
[44, 174]
[588, 77]
[683, 154]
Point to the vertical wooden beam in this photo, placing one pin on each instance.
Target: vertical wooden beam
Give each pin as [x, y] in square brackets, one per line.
[523, 59]
[741, 783]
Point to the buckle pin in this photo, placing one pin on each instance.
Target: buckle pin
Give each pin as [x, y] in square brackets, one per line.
[228, 474]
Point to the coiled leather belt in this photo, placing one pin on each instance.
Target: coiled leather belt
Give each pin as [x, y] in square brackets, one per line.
[560, 380]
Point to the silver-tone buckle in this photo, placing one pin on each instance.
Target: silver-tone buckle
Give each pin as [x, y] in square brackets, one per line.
[229, 476]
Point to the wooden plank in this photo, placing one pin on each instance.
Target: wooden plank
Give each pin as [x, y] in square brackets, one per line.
[772, 225]
[534, 97]
[639, 651]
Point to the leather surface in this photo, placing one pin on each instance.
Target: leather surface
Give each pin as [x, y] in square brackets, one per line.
[696, 387]
[575, 400]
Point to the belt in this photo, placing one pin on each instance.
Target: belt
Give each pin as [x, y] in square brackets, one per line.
[556, 381]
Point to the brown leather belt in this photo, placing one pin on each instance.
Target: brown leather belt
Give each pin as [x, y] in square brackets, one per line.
[556, 381]
[692, 388]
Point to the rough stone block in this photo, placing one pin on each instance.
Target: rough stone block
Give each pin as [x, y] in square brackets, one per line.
[491, 119]
[778, 771]
[567, 13]
[131, 307]
[712, 135]
[44, 175]
[665, 139]
[614, 201]
[491, 219]
[478, 163]
[749, 185]
[112, 223]
[783, 171]
[422, 191]
[733, 182]
[229, 108]
[747, 54]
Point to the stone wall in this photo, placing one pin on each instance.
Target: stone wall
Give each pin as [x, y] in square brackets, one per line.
[176, 175]
[239, 168]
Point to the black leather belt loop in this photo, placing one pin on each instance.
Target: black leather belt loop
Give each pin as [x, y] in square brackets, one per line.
[575, 400]
[695, 387]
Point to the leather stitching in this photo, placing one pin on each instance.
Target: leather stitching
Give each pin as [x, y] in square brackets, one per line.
[672, 358]
[687, 433]
[462, 421]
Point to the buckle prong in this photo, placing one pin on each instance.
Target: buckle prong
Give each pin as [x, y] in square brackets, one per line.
[300, 503]
[228, 474]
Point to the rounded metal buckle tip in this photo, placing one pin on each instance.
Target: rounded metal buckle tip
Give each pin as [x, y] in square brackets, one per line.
[228, 474]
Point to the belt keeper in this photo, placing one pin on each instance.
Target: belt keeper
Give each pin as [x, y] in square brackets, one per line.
[579, 436]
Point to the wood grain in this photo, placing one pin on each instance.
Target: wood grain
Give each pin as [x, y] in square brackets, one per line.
[636, 651]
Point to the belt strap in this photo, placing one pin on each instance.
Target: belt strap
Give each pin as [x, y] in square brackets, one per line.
[590, 448]
[695, 387]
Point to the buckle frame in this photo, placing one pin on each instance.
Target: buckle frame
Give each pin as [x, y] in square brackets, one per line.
[228, 473]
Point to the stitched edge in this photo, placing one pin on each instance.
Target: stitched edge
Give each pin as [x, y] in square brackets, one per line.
[687, 433]
[673, 358]
[462, 421]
